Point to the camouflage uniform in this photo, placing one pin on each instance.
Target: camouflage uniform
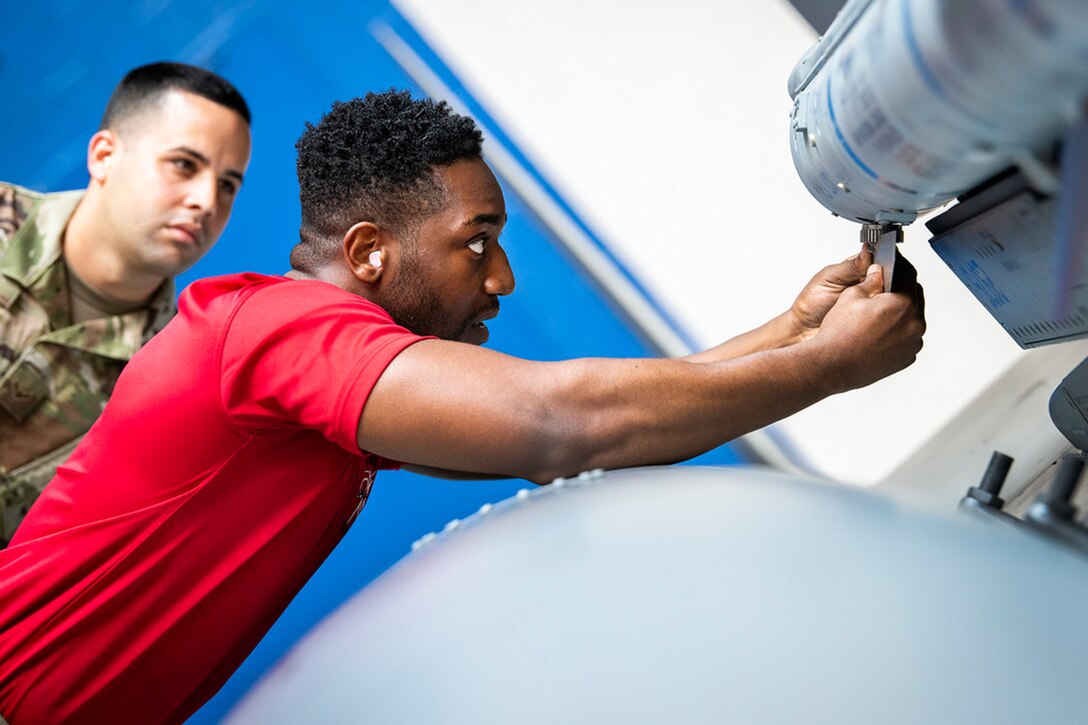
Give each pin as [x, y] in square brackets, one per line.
[55, 377]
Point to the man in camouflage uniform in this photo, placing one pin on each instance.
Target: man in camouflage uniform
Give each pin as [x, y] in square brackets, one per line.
[86, 277]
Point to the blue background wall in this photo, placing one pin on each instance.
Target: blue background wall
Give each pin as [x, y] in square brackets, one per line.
[58, 63]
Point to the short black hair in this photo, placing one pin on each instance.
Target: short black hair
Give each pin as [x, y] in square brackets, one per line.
[144, 85]
[374, 159]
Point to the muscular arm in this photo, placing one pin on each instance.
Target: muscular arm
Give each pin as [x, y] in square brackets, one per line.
[447, 405]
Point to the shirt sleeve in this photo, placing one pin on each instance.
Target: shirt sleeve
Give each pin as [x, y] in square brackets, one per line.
[306, 354]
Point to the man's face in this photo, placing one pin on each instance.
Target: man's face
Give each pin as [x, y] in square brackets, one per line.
[447, 279]
[169, 178]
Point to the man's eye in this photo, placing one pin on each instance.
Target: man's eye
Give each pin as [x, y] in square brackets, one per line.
[478, 246]
[183, 165]
[228, 187]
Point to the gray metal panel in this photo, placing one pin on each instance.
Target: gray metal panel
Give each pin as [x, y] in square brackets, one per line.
[700, 595]
[818, 13]
[1004, 256]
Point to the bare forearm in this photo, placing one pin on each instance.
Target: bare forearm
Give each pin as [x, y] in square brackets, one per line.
[667, 411]
[781, 331]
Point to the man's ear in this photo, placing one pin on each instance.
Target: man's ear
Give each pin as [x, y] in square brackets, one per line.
[101, 151]
[365, 251]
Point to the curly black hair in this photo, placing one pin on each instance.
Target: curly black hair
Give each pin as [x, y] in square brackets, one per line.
[373, 159]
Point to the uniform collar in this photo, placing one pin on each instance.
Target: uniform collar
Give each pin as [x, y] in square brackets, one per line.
[161, 307]
[33, 261]
[36, 246]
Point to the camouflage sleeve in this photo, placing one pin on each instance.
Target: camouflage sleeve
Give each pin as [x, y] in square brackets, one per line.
[13, 211]
[8, 224]
[21, 487]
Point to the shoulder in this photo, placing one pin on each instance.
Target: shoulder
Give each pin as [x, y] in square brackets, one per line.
[264, 289]
[272, 301]
[281, 297]
[15, 205]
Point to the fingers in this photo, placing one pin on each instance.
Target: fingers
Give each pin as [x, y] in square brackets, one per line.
[843, 274]
[850, 270]
[873, 284]
[865, 258]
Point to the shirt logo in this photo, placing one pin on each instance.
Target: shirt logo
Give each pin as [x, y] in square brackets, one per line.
[364, 491]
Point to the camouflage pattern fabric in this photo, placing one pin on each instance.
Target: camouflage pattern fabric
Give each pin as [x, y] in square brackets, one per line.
[55, 376]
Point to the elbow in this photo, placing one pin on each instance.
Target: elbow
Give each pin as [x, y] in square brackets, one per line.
[557, 453]
[568, 442]
[579, 421]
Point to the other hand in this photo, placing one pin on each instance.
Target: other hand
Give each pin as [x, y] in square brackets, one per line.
[868, 334]
[823, 290]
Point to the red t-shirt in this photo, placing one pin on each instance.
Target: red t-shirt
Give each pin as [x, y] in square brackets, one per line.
[223, 471]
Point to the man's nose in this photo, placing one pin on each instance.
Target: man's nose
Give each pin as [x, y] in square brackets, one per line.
[203, 193]
[500, 277]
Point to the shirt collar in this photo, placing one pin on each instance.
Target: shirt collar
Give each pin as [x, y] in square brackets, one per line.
[36, 246]
[34, 254]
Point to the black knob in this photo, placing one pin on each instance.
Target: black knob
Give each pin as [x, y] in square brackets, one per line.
[986, 492]
[1060, 494]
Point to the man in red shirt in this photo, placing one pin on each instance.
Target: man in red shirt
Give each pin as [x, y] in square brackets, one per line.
[242, 441]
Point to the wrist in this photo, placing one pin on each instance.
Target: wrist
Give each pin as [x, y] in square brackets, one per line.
[790, 329]
[827, 363]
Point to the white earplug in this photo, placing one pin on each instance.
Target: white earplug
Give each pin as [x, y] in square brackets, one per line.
[375, 259]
